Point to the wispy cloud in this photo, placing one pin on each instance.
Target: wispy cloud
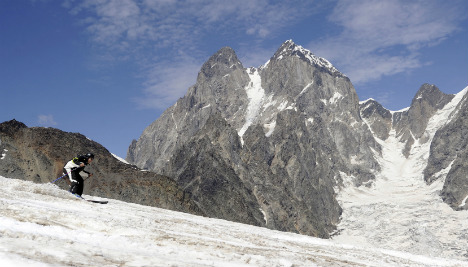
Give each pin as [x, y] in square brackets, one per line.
[118, 23]
[167, 81]
[46, 120]
[150, 31]
[383, 37]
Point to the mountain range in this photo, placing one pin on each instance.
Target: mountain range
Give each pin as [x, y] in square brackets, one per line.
[271, 146]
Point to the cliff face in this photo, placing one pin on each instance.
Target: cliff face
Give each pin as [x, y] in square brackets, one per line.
[448, 154]
[39, 154]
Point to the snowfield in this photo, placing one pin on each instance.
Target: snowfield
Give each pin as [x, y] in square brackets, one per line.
[42, 225]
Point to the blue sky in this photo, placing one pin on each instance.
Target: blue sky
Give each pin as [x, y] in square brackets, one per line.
[108, 68]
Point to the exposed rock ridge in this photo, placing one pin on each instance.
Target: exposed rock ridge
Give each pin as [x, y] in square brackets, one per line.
[219, 88]
[289, 48]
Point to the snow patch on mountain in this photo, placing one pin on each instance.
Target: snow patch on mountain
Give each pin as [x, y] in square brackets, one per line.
[334, 99]
[270, 128]
[255, 94]
[401, 110]
[445, 115]
[119, 158]
[306, 88]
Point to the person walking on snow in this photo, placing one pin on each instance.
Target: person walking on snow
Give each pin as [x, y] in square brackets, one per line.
[73, 169]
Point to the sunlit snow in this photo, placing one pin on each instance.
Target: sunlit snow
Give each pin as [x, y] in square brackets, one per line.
[120, 159]
[255, 94]
[42, 225]
[313, 59]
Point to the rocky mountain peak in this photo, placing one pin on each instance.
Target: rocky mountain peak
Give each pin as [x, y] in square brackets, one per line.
[290, 49]
[11, 127]
[370, 106]
[221, 63]
[377, 117]
[432, 96]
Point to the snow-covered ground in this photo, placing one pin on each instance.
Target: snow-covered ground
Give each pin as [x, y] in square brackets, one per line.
[42, 225]
[400, 211]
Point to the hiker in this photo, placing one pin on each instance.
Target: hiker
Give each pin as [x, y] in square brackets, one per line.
[73, 169]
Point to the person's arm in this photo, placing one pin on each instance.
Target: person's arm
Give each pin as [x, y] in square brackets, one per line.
[89, 174]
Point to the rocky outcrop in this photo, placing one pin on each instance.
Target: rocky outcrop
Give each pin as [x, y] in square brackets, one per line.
[377, 117]
[255, 183]
[299, 80]
[410, 125]
[39, 154]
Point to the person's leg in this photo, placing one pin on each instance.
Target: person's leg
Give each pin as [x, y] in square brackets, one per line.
[77, 187]
[80, 186]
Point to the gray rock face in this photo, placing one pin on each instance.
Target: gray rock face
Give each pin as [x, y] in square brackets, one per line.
[204, 166]
[378, 118]
[219, 88]
[267, 145]
[312, 86]
[449, 152]
[39, 154]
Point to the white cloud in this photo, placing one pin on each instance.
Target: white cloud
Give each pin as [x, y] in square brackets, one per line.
[383, 37]
[46, 120]
[255, 56]
[168, 82]
[116, 23]
[156, 31]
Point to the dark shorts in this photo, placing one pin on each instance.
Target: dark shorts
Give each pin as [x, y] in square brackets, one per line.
[76, 187]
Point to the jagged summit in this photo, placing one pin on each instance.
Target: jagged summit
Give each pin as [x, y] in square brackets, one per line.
[432, 95]
[428, 93]
[222, 62]
[11, 127]
[290, 49]
[277, 141]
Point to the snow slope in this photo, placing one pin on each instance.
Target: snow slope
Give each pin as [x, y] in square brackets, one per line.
[41, 225]
[400, 211]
